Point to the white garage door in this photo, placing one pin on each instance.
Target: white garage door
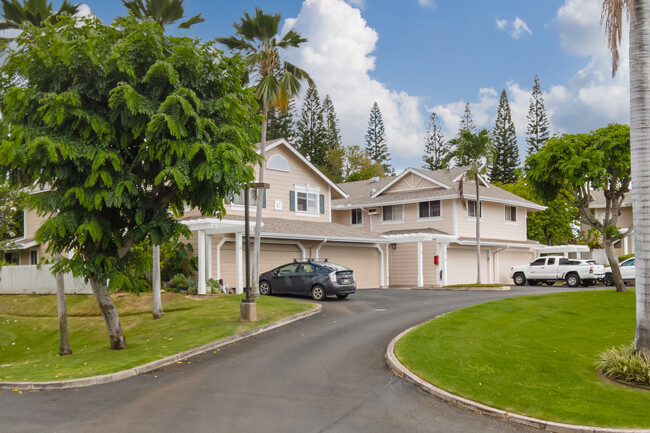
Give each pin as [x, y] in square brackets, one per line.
[364, 261]
[508, 259]
[461, 266]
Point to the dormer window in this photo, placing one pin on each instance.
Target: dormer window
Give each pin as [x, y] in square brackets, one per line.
[277, 162]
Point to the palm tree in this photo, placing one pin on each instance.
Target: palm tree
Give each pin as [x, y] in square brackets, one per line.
[37, 12]
[613, 14]
[164, 12]
[476, 151]
[276, 82]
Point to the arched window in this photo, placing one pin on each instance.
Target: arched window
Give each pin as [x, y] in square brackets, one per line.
[277, 162]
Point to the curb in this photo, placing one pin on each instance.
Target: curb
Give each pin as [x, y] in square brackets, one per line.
[400, 370]
[154, 365]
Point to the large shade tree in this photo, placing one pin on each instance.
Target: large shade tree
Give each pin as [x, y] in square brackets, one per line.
[275, 83]
[576, 165]
[123, 126]
[476, 149]
[614, 13]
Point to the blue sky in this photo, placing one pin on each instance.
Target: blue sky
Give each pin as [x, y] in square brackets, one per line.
[418, 56]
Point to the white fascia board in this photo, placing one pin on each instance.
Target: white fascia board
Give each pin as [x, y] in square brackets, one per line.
[404, 173]
[320, 238]
[309, 164]
[415, 237]
[445, 197]
[483, 181]
[562, 249]
[499, 244]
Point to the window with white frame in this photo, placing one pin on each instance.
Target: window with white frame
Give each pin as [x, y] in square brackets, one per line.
[511, 214]
[471, 209]
[238, 199]
[306, 202]
[429, 209]
[277, 162]
[392, 213]
[357, 216]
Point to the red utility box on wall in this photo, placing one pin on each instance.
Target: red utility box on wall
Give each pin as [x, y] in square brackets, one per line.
[436, 261]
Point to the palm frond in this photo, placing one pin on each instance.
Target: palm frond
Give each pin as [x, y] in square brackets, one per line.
[291, 39]
[612, 14]
[189, 23]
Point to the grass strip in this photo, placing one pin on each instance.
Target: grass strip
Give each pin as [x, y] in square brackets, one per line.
[29, 333]
[533, 355]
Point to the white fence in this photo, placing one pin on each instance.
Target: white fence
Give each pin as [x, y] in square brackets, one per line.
[37, 280]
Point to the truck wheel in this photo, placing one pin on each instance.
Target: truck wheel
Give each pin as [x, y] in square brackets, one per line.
[533, 282]
[608, 280]
[519, 279]
[572, 280]
[550, 283]
[585, 283]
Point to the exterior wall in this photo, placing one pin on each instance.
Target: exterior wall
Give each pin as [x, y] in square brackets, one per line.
[410, 219]
[505, 260]
[344, 217]
[493, 223]
[625, 218]
[19, 280]
[461, 265]
[411, 182]
[32, 223]
[364, 261]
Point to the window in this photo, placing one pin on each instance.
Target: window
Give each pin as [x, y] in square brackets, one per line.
[238, 199]
[357, 216]
[471, 209]
[511, 213]
[392, 213]
[551, 261]
[629, 262]
[307, 202]
[539, 262]
[12, 258]
[33, 257]
[277, 162]
[430, 209]
[288, 269]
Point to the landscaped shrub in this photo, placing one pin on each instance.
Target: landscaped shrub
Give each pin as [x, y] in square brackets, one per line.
[214, 286]
[192, 286]
[625, 257]
[624, 364]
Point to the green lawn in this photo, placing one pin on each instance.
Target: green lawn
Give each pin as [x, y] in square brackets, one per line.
[534, 356]
[29, 335]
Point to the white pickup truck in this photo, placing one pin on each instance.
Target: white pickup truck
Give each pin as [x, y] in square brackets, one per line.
[550, 269]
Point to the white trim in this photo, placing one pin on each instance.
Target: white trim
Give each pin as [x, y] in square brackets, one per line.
[239, 268]
[309, 164]
[425, 219]
[208, 257]
[529, 205]
[404, 173]
[219, 245]
[444, 263]
[387, 266]
[201, 270]
[481, 178]
[420, 266]
[329, 201]
[381, 266]
[392, 221]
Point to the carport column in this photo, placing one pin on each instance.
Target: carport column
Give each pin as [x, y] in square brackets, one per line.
[420, 266]
[208, 257]
[626, 250]
[490, 258]
[444, 264]
[387, 266]
[239, 259]
[201, 262]
[381, 266]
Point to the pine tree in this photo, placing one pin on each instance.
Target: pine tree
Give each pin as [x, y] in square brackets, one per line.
[311, 139]
[280, 124]
[437, 152]
[538, 128]
[376, 143]
[506, 152]
[332, 127]
[466, 122]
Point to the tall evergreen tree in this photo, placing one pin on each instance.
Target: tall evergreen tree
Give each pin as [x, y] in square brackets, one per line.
[437, 152]
[332, 127]
[281, 123]
[466, 122]
[376, 142]
[311, 139]
[538, 129]
[506, 152]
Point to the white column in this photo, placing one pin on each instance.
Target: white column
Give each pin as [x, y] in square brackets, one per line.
[490, 266]
[219, 245]
[381, 266]
[208, 257]
[201, 262]
[387, 266]
[239, 259]
[420, 266]
[444, 264]
[625, 246]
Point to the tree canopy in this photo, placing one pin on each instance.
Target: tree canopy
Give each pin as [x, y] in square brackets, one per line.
[164, 12]
[124, 127]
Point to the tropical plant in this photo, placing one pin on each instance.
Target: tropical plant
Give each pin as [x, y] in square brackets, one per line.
[626, 364]
[164, 12]
[35, 12]
[638, 12]
[476, 150]
[275, 83]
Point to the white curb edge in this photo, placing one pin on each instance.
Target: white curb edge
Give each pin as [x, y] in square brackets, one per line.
[400, 370]
[145, 368]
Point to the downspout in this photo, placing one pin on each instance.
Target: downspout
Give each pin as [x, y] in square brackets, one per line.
[319, 246]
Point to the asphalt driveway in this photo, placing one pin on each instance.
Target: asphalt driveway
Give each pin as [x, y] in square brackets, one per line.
[326, 373]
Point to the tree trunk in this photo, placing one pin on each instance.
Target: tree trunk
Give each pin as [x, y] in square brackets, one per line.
[155, 283]
[64, 341]
[640, 155]
[478, 232]
[613, 262]
[255, 286]
[112, 320]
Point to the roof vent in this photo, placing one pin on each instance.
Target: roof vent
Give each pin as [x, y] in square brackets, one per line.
[374, 179]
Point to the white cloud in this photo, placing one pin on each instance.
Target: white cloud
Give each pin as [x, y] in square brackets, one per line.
[519, 28]
[578, 24]
[427, 3]
[501, 24]
[358, 3]
[83, 11]
[339, 58]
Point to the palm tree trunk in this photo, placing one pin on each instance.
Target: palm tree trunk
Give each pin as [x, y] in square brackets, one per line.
[478, 232]
[64, 341]
[613, 262]
[111, 318]
[640, 154]
[157, 309]
[255, 289]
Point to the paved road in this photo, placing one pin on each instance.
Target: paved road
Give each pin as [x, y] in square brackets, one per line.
[323, 374]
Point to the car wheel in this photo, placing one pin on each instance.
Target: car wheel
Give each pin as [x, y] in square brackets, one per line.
[265, 288]
[533, 282]
[572, 280]
[550, 283]
[585, 283]
[519, 279]
[317, 293]
[342, 295]
[608, 280]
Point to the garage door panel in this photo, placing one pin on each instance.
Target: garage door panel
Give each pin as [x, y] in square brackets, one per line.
[364, 261]
[508, 259]
[461, 266]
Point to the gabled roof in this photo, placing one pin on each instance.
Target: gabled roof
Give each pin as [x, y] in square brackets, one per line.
[270, 144]
[404, 173]
[364, 192]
